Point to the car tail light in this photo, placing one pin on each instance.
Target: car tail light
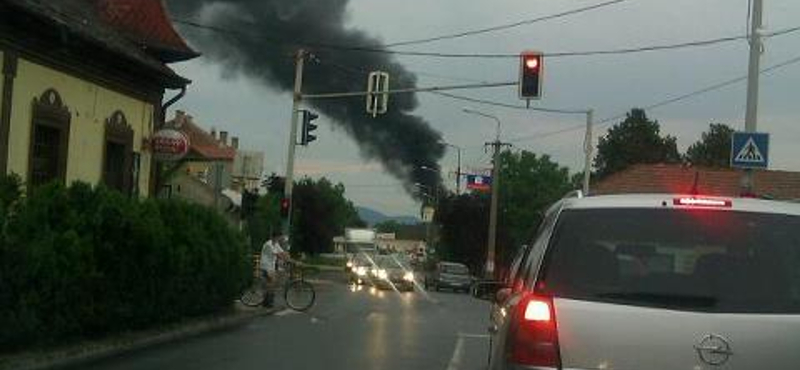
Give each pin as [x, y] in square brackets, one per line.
[535, 337]
[702, 202]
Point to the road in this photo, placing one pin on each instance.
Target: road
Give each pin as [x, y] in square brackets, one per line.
[347, 329]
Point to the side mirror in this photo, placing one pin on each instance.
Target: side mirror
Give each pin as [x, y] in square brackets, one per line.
[486, 290]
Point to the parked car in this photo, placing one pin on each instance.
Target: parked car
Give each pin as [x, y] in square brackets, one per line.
[654, 282]
[449, 275]
[390, 272]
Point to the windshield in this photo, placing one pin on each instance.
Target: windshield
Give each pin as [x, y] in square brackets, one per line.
[695, 259]
[455, 269]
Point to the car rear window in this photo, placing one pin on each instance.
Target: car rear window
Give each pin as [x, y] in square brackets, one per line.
[703, 260]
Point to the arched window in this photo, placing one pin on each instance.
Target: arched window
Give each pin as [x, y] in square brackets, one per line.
[49, 141]
[118, 166]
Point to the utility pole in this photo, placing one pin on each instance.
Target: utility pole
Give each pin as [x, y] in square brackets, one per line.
[751, 115]
[491, 250]
[588, 145]
[296, 100]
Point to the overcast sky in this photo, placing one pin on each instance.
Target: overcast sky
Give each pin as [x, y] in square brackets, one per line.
[610, 85]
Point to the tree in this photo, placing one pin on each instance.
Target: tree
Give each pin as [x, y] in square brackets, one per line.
[388, 226]
[637, 139]
[714, 148]
[320, 212]
[529, 184]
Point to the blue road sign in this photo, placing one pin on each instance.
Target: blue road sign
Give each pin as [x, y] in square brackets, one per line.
[750, 150]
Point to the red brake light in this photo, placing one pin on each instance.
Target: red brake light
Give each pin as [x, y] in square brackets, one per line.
[532, 62]
[702, 202]
[535, 337]
[537, 310]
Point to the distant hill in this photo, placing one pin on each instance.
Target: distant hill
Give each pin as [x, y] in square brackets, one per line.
[372, 217]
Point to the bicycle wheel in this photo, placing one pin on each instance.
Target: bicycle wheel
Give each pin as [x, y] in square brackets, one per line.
[299, 295]
[254, 295]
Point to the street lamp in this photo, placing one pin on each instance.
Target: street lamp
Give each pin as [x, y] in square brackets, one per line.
[485, 115]
[491, 243]
[458, 167]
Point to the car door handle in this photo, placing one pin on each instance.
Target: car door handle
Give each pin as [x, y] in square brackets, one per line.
[492, 329]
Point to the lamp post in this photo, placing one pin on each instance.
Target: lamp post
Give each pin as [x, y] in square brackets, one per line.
[491, 243]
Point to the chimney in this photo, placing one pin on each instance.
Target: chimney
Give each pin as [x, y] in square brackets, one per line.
[223, 137]
[235, 142]
[214, 133]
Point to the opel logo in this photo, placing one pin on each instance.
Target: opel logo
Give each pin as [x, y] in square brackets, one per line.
[714, 350]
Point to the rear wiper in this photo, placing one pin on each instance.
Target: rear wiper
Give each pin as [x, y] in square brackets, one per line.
[669, 300]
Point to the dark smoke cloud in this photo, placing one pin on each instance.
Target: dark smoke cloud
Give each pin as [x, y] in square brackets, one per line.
[401, 141]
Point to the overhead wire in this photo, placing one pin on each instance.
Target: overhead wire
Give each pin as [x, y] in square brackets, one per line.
[669, 101]
[504, 26]
[335, 47]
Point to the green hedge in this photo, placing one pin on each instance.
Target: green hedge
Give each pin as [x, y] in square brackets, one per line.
[81, 262]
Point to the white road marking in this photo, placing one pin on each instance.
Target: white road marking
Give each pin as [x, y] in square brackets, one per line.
[458, 352]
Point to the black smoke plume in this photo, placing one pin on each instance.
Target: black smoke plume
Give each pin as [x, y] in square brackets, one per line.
[259, 38]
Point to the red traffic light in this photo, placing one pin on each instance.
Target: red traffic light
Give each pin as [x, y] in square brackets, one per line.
[532, 61]
[285, 206]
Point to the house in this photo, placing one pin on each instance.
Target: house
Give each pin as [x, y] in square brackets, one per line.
[677, 178]
[204, 173]
[82, 85]
[248, 168]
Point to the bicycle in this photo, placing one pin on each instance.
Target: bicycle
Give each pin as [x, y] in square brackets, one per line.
[298, 293]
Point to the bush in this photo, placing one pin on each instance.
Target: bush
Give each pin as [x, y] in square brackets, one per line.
[82, 262]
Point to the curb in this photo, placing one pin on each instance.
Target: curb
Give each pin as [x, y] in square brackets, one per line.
[91, 351]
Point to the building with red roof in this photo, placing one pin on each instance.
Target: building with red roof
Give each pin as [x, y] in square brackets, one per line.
[82, 86]
[677, 178]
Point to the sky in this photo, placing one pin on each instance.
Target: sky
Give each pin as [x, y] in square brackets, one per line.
[610, 85]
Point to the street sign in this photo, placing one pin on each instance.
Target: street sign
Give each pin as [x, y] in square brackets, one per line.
[750, 150]
[169, 145]
[479, 182]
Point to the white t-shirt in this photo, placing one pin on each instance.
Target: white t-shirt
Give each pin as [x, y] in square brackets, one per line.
[269, 255]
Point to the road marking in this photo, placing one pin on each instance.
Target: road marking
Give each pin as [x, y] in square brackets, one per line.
[458, 352]
[468, 335]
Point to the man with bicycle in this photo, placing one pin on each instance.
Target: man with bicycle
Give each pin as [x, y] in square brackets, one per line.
[272, 252]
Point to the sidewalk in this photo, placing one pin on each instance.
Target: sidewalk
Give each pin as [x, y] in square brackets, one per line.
[87, 351]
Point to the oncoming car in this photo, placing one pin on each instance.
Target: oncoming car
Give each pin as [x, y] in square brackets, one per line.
[390, 272]
[654, 282]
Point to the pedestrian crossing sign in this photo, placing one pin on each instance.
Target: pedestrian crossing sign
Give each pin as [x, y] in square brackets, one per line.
[750, 150]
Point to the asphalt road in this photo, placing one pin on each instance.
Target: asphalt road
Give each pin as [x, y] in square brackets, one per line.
[346, 329]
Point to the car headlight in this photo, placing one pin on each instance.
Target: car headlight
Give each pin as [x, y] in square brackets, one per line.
[361, 270]
[349, 264]
[374, 272]
[382, 274]
[409, 276]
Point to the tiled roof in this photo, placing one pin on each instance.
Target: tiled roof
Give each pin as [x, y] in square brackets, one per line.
[147, 23]
[81, 18]
[676, 178]
[202, 145]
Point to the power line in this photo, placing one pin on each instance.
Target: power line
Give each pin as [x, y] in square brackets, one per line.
[504, 26]
[510, 106]
[344, 48]
[673, 100]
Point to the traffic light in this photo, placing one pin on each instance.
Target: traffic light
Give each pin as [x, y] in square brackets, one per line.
[531, 66]
[285, 207]
[308, 127]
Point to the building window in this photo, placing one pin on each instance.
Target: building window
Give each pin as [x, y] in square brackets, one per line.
[118, 159]
[49, 139]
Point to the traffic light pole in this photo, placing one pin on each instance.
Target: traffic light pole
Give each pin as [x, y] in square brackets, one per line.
[296, 100]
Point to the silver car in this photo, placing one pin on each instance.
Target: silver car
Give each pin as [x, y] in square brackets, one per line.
[654, 282]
